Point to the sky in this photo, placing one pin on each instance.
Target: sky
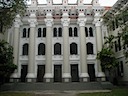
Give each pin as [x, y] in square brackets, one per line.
[102, 2]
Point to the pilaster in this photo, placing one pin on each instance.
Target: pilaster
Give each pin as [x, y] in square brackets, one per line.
[31, 76]
[84, 77]
[48, 73]
[97, 22]
[65, 21]
[17, 23]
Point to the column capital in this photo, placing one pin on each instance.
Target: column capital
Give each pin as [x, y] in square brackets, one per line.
[48, 22]
[32, 20]
[81, 21]
[17, 21]
[65, 21]
[97, 23]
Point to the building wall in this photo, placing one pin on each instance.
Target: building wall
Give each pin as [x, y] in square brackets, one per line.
[65, 16]
[119, 53]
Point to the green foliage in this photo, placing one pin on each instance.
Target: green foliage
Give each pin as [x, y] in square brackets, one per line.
[106, 55]
[121, 19]
[108, 19]
[107, 58]
[16, 94]
[124, 36]
[8, 11]
[115, 92]
[109, 40]
[6, 60]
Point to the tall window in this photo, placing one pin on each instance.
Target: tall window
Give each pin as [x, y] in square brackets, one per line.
[73, 49]
[116, 21]
[91, 32]
[60, 32]
[28, 32]
[70, 31]
[75, 32]
[113, 25]
[24, 32]
[120, 69]
[89, 48]
[57, 49]
[25, 49]
[86, 31]
[41, 49]
[55, 32]
[39, 32]
[44, 32]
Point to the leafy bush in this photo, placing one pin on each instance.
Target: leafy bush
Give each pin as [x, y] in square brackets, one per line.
[6, 60]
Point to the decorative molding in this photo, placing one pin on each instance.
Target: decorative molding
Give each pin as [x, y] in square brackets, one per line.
[65, 21]
[49, 22]
[81, 21]
[49, 15]
[17, 21]
[32, 20]
[65, 15]
[98, 23]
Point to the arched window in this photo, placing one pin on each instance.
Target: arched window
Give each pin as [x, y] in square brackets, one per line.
[44, 32]
[25, 49]
[75, 32]
[86, 31]
[39, 32]
[91, 32]
[55, 32]
[70, 31]
[73, 48]
[24, 32]
[28, 32]
[57, 49]
[60, 32]
[89, 48]
[41, 49]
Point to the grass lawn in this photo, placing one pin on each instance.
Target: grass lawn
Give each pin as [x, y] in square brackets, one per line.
[115, 92]
[15, 94]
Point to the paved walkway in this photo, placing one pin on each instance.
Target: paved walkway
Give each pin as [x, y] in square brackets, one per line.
[66, 93]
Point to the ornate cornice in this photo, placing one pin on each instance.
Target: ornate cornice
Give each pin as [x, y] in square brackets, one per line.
[17, 21]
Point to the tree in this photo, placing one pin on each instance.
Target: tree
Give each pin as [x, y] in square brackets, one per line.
[8, 10]
[106, 55]
[6, 60]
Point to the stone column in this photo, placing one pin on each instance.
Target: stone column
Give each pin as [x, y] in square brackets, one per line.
[83, 54]
[15, 77]
[31, 76]
[99, 43]
[48, 73]
[66, 66]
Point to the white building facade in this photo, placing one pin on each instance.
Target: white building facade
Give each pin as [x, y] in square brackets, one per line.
[58, 42]
[121, 72]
